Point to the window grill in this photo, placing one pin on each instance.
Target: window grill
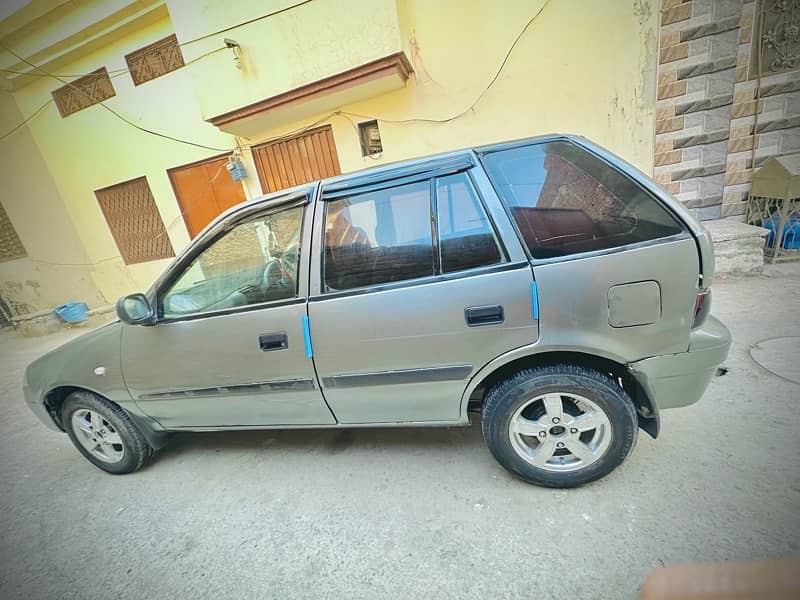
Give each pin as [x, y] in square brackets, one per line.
[774, 204]
[84, 92]
[155, 60]
[135, 223]
[11, 247]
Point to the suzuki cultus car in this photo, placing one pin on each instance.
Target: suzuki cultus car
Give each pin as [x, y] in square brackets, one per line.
[545, 283]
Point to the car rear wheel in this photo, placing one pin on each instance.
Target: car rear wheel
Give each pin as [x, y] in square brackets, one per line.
[104, 433]
[559, 426]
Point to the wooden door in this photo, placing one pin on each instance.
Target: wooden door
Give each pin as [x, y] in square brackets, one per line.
[204, 189]
[298, 160]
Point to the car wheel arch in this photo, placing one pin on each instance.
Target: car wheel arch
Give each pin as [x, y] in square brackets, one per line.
[505, 366]
[54, 400]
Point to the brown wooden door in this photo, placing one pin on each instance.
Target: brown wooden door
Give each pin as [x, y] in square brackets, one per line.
[204, 190]
[298, 160]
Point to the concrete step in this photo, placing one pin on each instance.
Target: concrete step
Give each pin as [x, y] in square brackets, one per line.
[738, 247]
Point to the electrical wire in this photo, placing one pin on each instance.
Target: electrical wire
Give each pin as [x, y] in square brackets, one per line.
[307, 127]
[46, 262]
[480, 96]
[243, 23]
[40, 75]
[187, 42]
[345, 114]
[115, 113]
[27, 120]
[116, 74]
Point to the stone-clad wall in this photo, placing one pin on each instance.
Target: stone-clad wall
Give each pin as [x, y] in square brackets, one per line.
[706, 102]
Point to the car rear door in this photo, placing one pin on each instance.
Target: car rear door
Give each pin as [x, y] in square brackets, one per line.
[413, 291]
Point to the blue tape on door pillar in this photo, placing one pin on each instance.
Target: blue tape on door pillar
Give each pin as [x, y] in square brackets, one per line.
[535, 300]
[307, 337]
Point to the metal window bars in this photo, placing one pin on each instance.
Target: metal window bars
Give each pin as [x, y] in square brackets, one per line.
[781, 216]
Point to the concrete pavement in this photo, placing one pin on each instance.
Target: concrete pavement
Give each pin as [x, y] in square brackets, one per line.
[419, 513]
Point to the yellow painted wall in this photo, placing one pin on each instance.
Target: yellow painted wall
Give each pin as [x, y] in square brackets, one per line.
[92, 149]
[287, 50]
[588, 71]
[54, 270]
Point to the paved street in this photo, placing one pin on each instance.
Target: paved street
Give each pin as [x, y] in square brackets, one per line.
[419, 513]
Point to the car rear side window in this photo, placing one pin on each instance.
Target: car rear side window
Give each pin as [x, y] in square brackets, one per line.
[466, 238]
[565, 200]
[378, 237]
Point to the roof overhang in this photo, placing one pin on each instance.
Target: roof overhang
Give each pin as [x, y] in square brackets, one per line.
[360, 83]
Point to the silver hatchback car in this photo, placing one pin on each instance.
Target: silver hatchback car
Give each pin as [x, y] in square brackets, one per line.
[544, 283]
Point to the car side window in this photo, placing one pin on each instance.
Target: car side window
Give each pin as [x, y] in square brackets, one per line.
[378, 237]
[565, 200]
[256, 261]
[466, 238]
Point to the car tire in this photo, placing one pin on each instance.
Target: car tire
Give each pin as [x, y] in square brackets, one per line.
[526, 433]
[104, 433]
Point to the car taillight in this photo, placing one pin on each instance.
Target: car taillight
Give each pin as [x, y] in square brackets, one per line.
[702, 306]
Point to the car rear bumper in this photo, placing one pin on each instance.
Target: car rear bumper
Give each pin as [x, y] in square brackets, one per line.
[676, 380]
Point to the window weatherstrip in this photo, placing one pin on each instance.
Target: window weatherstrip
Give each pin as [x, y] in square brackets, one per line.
[434, 215]
[407, 283]
[230, 311]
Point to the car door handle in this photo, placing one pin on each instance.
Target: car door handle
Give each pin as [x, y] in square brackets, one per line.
[484, 315]
[273, 341]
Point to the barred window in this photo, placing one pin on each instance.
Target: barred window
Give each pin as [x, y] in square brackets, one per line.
[133, 218]
[84, 92]
[11, 247]
[777, 31]
[155, 60]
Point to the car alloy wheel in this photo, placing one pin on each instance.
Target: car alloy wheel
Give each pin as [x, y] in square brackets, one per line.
[560, 432]
[97, 435]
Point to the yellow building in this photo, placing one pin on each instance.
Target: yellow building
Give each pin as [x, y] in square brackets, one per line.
[132, 109]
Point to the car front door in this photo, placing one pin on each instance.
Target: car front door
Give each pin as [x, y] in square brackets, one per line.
[228, 348]
[415, 292]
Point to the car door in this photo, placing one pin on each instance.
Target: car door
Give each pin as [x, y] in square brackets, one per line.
[414, 292]
[229, 346]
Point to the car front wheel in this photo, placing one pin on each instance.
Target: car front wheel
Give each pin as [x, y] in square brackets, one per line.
[104, 433]
[559, 426]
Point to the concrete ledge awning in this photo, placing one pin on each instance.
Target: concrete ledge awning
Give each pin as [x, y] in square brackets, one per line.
[360, 83]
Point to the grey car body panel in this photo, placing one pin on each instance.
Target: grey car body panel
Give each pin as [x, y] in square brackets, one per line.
[74, 365]
[223, 352]
[415, 327]
[573, 296]
[408, 344]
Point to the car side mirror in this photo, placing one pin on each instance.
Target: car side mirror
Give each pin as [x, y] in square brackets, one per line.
[135, 309]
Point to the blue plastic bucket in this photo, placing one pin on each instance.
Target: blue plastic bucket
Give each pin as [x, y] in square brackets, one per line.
[72, 312]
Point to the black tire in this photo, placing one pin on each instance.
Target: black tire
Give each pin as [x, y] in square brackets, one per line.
[505, 398]
[136, 449]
